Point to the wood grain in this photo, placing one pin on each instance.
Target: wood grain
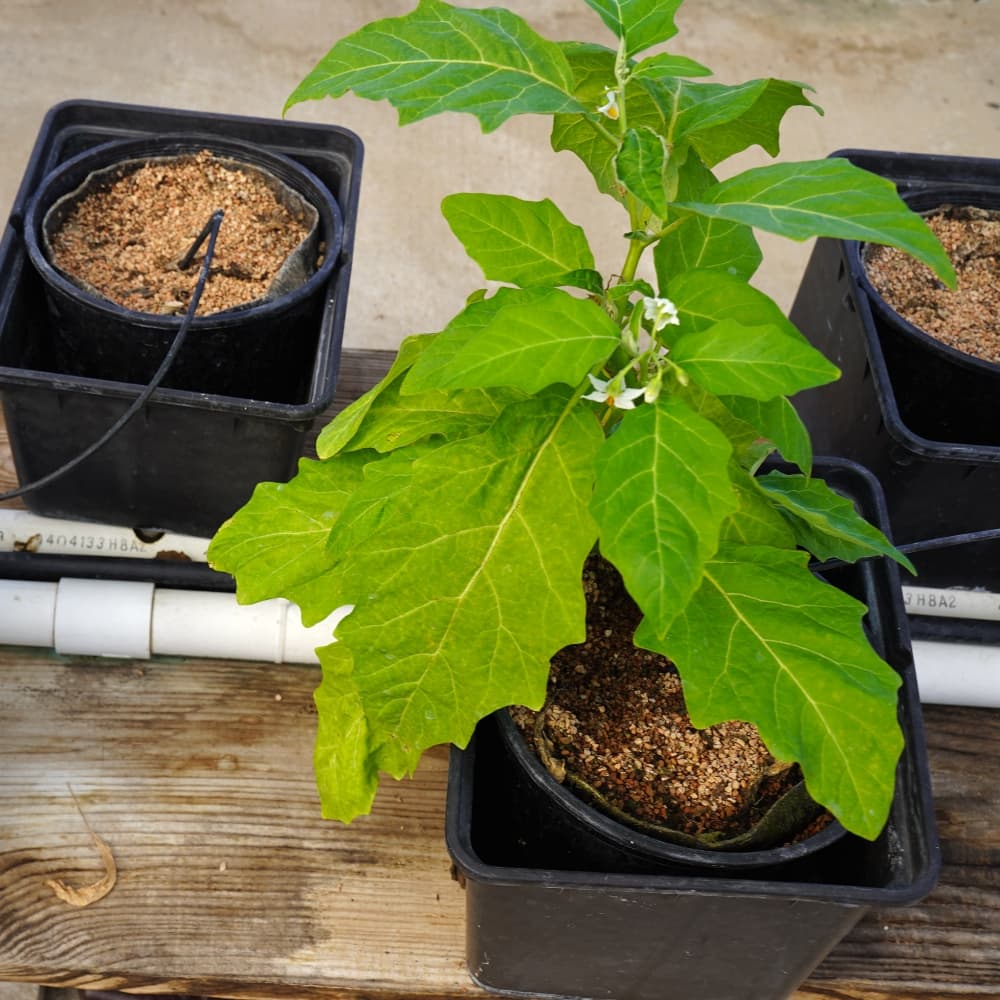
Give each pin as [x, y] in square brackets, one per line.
[198, 775]
[199, 779]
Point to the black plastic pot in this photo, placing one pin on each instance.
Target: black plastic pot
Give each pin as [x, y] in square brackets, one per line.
[260, 351]
[560, 817]
[922, 416]
[553, 910]
[190, 458]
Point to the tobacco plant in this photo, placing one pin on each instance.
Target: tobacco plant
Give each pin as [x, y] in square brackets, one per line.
[454, 504]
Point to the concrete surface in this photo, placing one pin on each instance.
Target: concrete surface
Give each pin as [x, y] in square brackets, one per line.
[915, 75]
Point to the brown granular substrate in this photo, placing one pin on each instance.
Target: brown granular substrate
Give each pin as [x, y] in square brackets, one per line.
[125, 241]
[967, 319]
[615, 716]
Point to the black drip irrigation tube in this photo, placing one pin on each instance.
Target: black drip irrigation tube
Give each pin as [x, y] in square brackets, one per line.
[210, 231]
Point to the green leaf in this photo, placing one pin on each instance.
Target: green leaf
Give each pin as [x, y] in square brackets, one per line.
[395, 420]
[662, 493]
[720, 121]
[756, 522]
[778, 421]
[275, 545]
[523, 242]
[665, 65]
[701, 243]
[341, 430]
[343, 758]
[460, 606]
[756, 361]
[641, 23]
[587, 135]
[641, 165]
[554, 337]
[622, 290]
[825, 523]
[707, 297]
[478, 313]
[488, 63]
[364, 514]
[764, 641]
[585, 278]
[744, 439]
[830, 198]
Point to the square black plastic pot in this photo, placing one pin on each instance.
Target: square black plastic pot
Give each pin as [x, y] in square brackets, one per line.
[189, 459]
[924, 419]
[551, 912]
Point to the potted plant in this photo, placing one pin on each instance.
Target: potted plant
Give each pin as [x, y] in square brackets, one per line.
[454, 505]
[917, 411]
[75, 366]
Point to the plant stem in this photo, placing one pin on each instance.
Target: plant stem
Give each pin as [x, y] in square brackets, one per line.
[635, 249]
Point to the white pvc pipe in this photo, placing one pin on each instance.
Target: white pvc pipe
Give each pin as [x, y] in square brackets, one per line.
[103, 618]
[201, 623]
[24, 531]
[132, 619]
[28, 612]
[952, 602]
[957, 673]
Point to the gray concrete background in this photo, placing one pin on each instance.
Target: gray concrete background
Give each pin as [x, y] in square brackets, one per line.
[915, 75]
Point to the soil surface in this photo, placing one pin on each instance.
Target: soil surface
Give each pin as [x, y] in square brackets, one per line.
[967, 319]
[615, 717]
[126, 241]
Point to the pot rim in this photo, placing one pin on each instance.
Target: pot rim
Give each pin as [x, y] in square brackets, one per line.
[925, 201]
[287, 169]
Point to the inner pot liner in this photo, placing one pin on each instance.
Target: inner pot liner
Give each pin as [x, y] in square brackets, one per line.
[296, 270]
[927, 203]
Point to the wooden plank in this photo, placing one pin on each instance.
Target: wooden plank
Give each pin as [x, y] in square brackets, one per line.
[198, 775]
[949, 944]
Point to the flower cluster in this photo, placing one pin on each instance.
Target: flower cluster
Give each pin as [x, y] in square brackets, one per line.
[615, 392]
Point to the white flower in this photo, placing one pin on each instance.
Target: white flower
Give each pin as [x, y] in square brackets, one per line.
[660, 312]
[614, 393]
[610, 106]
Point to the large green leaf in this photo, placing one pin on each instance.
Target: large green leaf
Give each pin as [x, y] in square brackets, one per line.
[458, 605]
[477, 315]
[640, 23]
[826, 523]
[745, 439]
[395, 420]
[720, 121]
[523, 242]
[702, 243]
[276, 544]
[778, 421]
[662, 493]
[829, 197]
[756, 361]
[488, 63]
[527, 345]
[341, 430]
[706, 297]
[763, 640]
